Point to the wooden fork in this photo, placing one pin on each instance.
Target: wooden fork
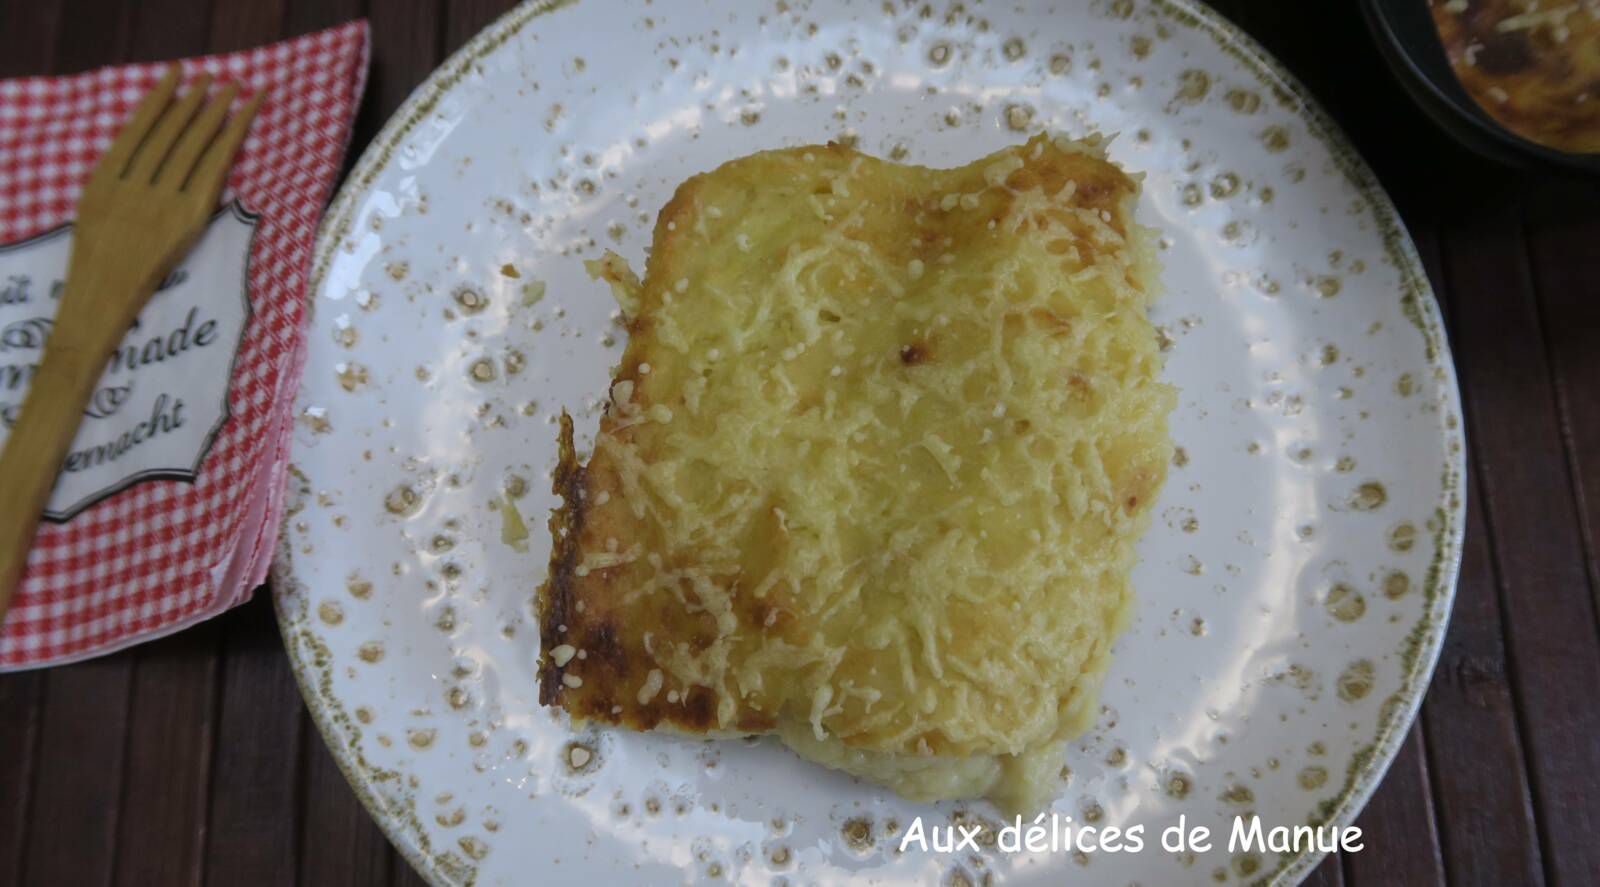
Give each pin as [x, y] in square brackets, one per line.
[144, 206]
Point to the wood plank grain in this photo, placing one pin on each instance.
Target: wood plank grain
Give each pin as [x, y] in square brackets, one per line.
[1545, 598]
[1477, 764]
[406, 40]
[305, 16]
[406, 876]
[171, 691]
[1563, 231]
[1400, 845]
[73, 814]
[20, 696]
[465, 18]
[246, 25]
[339, 844]
[253, 833]
[99, 34]
[28, 37]
[1564, 241]
[1328, 873]
[80, 714]
[28, 41]
[1485, 808]
[169, 29]
[162, 824]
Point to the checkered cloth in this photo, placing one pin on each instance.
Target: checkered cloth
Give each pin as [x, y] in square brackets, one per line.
[164, 554]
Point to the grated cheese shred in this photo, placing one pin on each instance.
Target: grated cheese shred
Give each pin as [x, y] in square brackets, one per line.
[914, 572]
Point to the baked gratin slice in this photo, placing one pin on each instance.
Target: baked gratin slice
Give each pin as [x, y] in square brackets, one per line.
[873, 468]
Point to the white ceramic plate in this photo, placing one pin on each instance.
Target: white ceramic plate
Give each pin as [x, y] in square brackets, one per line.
[1293, 590]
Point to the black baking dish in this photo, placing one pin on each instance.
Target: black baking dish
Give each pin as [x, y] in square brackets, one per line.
[1409, 41]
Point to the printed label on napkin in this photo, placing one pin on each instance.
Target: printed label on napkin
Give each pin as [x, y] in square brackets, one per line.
[164, 392]
[170, 504]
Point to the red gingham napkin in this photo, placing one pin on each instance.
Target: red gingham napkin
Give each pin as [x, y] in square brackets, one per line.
[163, 554]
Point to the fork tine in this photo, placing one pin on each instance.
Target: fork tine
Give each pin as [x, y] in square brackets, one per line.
[147, 160]
[180, 163]
[212, 169]
[115, 161]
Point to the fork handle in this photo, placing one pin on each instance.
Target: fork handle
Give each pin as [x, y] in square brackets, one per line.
[75, 355]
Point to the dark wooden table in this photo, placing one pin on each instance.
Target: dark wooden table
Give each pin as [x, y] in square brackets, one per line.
[192, 758]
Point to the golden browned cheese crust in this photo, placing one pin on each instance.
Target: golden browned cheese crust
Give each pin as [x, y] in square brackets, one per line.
[1534, 67]
[875, 460]
[614, 663]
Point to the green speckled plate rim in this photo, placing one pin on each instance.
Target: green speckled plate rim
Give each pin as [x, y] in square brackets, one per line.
[397, 817]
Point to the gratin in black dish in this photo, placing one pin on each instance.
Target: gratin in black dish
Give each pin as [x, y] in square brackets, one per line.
[1409, 40]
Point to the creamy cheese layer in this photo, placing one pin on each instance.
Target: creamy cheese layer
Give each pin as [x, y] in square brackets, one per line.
[874, 466]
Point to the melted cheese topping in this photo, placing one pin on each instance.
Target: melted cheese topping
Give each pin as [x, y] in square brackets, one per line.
[879, 488]
[1534, 67]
